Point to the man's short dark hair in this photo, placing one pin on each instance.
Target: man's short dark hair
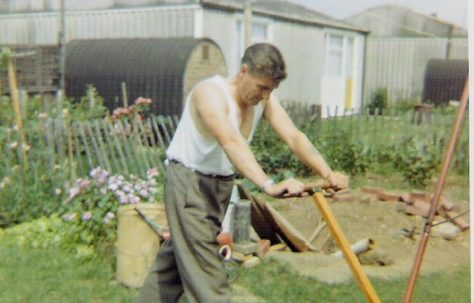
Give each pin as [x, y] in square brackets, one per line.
[264, 59]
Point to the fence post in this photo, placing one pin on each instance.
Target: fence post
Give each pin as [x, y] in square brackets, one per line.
[123, 86]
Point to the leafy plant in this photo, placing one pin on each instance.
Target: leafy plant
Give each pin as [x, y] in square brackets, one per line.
[418, 163]
[379, 100]
[92, 203]
[27, 196]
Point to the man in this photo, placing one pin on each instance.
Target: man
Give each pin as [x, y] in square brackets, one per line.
[212, 138]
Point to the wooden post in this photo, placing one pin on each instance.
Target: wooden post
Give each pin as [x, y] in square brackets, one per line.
[345, 247]
[123, 86]
[241, 221]
[90, 96]
[72, 165]
[16, 107]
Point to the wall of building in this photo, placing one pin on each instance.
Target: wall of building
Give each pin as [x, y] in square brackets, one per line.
[43, 28]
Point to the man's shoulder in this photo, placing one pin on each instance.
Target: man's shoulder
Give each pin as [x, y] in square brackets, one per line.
[208, 88]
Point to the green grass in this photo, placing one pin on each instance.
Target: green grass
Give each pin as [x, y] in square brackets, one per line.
[29, 275]
[278, 284]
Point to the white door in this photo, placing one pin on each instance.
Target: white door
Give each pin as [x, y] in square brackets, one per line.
[337, 84]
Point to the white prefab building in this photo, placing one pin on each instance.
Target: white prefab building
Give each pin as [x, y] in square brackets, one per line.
[324, 55]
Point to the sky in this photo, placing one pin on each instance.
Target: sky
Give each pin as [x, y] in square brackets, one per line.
[454, 11]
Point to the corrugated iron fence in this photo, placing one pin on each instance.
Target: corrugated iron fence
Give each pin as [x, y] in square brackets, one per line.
[399, 64]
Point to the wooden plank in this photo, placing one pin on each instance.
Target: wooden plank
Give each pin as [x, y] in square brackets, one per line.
[164, 127]
[278, 225]
[122, 138]
[112, 140]
[77, 150]
[86, 146]
[50, 144]
[139, 147]
[130, 145]
[146, 144]
[157, 132]
[103, 159]
[113, 164]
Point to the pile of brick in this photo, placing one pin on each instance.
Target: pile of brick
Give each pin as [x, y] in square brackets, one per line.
[419, 204]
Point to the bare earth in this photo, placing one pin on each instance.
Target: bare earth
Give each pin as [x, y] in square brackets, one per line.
[381, 221]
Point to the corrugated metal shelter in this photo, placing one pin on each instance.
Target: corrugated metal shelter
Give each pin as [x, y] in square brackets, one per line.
[161, 69]
[444, 80]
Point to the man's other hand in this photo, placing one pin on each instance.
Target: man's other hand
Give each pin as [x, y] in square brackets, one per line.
[337, 181]
[286, 189]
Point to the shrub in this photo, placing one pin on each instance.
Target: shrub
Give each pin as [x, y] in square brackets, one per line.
[92, 203]
[379, 100]
[418, 163]
[27, 196]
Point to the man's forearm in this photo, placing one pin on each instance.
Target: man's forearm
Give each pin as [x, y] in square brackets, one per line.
[310, 156]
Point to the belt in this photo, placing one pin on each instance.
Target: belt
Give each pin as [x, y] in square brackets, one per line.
[215, 176]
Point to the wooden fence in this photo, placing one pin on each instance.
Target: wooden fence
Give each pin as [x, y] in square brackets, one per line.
[132, 146]
[74, 148]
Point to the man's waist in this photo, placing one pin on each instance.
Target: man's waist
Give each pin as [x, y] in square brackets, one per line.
[204, 174]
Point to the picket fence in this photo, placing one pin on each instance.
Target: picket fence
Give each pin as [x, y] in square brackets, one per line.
[133, 146]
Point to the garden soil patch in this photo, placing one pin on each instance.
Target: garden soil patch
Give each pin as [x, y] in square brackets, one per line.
[381, 221]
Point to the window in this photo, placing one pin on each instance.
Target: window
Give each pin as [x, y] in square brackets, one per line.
[260, 33]
[335, 52]
[340, 53]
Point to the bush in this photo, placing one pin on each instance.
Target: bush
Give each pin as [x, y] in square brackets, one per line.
[24, 197]
[379, 100]
[92, 203]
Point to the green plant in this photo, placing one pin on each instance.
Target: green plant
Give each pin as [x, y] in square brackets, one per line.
[92, 203]
[417, 163]
[405, 105]
[379, 101]
[26, 196]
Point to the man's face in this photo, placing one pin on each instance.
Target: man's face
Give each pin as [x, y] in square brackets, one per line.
[256, 88]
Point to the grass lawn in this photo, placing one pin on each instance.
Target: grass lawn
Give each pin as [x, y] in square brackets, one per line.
[278, 284]
[28, 275]
[36, 276]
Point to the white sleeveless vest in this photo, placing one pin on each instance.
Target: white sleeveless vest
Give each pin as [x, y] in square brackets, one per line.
[202, 154]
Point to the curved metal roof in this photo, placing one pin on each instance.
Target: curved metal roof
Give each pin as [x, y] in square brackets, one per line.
[152, 68]
[130, 55]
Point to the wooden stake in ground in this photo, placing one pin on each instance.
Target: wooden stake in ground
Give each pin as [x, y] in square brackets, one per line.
[343, 244]
[16, 106]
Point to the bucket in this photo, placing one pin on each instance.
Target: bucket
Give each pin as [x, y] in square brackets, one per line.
[137, 243]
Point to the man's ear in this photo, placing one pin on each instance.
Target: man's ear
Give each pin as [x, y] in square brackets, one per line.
[244, 68]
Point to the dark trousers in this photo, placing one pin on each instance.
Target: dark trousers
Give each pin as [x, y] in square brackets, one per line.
[189, 261]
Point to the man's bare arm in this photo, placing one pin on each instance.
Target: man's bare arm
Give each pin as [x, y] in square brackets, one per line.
[210, 109]
[276, 115]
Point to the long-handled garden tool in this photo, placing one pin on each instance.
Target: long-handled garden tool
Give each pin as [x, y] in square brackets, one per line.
[344, 245]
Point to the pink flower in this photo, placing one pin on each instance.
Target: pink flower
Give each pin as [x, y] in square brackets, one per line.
[153, 172]
[143, 101]
[87, 216]
[73, 192]
[83, 183]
